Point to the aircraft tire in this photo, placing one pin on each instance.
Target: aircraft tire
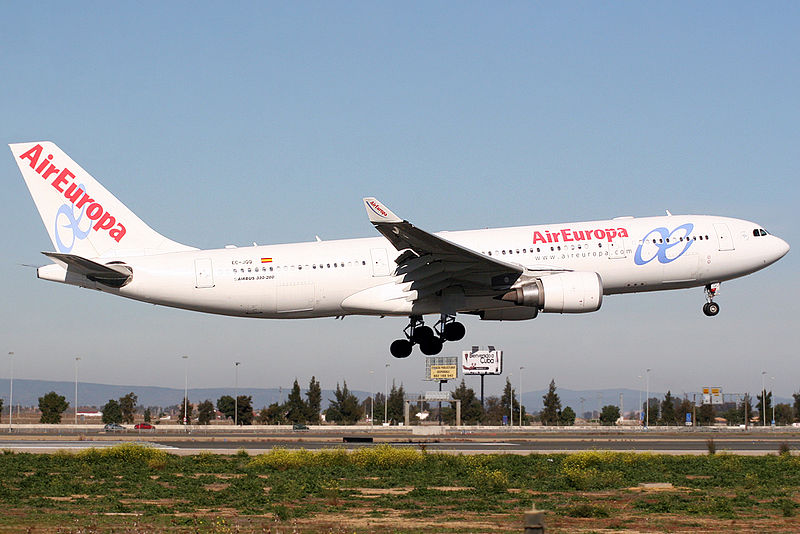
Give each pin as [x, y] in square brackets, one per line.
[401, 348]
[454, 331]
[422, 334]
[432, 347]
[711, 309]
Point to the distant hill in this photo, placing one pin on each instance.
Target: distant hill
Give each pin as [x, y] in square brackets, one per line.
[27, 393]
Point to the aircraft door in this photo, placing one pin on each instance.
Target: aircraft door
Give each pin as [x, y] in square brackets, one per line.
[616, 249]
[380, 262]
[203, 273]
[723, 236]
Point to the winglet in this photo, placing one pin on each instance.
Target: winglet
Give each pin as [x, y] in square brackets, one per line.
[379, 213]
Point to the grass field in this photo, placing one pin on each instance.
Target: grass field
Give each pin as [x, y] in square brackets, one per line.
[133, 488]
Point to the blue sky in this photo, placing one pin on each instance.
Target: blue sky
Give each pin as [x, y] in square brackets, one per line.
[238, 123]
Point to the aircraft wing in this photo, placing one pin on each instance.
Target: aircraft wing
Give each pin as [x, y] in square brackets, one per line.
[110, 275]
[432, 263]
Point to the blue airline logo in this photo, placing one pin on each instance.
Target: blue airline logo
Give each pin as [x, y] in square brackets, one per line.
[663, 245]
[71, 226]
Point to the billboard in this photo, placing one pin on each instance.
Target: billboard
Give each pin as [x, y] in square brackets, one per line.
[441, 367]
[482, 362]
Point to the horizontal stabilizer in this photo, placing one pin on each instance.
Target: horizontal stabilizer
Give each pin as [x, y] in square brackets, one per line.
[113, 275]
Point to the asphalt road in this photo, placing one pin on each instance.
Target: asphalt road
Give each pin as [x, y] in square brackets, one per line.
[670, 444]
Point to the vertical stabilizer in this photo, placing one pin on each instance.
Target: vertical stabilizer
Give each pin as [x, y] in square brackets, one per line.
[80, 215]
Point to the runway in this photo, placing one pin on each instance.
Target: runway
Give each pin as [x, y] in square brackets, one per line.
[566, 442]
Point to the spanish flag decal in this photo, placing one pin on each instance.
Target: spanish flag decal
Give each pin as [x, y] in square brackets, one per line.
[266, 260]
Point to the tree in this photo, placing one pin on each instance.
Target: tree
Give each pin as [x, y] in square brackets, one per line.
[609, 415]
[148, 416]
[655, 406]
[112, 412]
[314, 401]
[205, 412]
[52, 405]
[683, 407]
[796, 406]
[705, 415]
[783, 414]
[275, 414]
[380, 404]
[245, 405]
[128, 406]
[509, 398]
[296, 408]
[762, 409]
[186, 411]
[396, 401]
[567, 417]
[226, 405]
[344, 408]
[494, 411]
[668, 416]
[552, 406]
[471, 409]
[1, 410]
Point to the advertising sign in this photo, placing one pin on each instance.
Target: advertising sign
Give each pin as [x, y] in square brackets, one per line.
[482, 362]
[441, 367]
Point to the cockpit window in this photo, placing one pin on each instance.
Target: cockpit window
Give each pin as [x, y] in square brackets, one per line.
[759, 232]
[763, 232]
[756, 232]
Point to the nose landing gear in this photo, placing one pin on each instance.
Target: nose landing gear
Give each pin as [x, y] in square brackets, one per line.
[430, 340]
[711, 308]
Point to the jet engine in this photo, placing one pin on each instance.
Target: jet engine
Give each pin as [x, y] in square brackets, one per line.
[573, 292]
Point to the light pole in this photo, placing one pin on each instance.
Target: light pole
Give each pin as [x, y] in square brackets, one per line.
[11, 391]
[77, 359]
[386, 393]
[520, 394]
[236, 396]
[647, 400]
[372, 397]
[763, 401]
[185, 389]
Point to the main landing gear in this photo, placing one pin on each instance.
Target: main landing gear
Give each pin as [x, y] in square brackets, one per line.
[430, 340]
[711, 308]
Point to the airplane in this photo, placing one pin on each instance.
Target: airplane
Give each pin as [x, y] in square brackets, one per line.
[498, 274]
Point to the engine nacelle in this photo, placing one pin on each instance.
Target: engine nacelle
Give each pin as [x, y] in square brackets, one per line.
[575, 292]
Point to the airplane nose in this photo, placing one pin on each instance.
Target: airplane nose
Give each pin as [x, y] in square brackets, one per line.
[782, 248]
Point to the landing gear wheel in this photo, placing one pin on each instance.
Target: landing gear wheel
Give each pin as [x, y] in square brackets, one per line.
[401, 348]
[453, 331]
[431, 347]
[711, 309]
[422, 334]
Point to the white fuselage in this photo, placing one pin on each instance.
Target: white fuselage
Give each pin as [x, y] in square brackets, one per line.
[355, 276]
